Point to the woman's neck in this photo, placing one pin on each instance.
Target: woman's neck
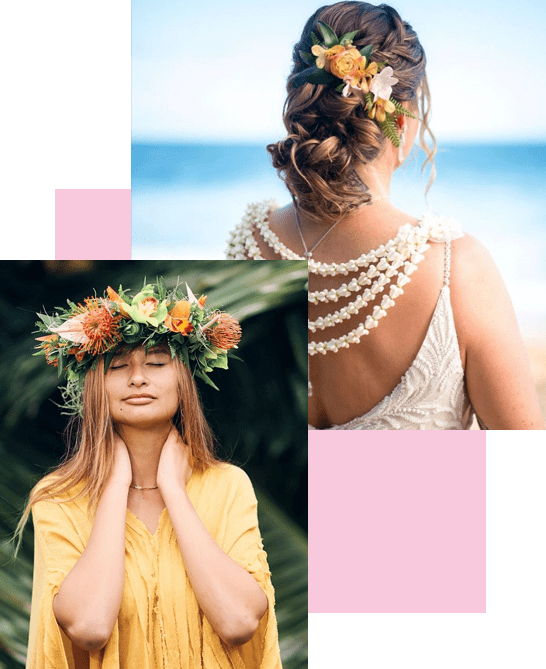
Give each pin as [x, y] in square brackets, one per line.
[144, 446]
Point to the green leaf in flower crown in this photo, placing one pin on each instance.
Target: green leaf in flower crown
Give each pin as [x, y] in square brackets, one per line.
[182, 351]
[340, 88]
[329, 36]
[314, 39]
[318, 76]
[161, 288]
[48, 320]
[307, 57]
[221, 361]
[108, 359]
[301, 77]
[347, 38]
[366, 51]
[206, 379]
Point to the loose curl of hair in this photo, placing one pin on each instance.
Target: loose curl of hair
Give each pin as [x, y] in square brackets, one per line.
[328, 134]
[91, 457]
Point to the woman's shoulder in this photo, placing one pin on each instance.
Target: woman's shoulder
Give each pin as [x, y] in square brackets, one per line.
[226, 476]
[479, 296]
[263, 234]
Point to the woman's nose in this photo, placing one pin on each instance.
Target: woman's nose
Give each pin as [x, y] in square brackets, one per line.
[137, 375]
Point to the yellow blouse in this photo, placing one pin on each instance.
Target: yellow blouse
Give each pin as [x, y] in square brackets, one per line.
[160, 624]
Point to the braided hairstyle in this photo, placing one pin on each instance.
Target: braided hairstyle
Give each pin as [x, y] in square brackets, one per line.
[328, 134]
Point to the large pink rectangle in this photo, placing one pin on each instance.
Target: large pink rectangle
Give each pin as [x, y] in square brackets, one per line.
[93, 224]
[397, 522]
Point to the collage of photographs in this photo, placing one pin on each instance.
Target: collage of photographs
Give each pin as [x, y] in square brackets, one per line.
[225, 415]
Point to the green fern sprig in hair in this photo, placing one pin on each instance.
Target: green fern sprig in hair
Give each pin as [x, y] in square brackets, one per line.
[388, 126]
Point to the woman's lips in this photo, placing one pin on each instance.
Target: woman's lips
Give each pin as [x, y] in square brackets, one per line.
[139, 399]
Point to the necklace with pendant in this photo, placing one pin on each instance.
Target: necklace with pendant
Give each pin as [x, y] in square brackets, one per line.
[308, 253]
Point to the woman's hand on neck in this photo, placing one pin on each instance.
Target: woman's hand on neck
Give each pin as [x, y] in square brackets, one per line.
[144, 446]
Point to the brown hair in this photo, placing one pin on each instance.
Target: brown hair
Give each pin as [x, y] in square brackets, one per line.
[92, 457]
[328, 134]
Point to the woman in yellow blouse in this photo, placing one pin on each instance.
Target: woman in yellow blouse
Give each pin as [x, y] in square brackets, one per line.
[147, 548]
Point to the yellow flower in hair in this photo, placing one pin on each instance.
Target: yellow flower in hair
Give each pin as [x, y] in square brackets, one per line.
[379, 108]
[345, 63]
[366, 73]
[359, 80]
[324, 55]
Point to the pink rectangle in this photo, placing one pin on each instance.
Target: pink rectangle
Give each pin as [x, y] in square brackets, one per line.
[93, 224]
[397, 522]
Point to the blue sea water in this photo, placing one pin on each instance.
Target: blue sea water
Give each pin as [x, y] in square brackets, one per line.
[186, 198]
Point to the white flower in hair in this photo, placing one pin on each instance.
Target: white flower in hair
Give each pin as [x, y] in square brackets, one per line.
[381, 85]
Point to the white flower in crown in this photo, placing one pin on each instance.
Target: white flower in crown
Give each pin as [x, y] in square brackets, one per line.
[382, 83]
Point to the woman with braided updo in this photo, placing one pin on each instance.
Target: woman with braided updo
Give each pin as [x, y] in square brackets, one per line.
[447, 344]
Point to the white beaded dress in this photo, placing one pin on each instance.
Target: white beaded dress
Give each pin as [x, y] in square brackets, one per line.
[431, 394]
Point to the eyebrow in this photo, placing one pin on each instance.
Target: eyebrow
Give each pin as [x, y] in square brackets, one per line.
[159, 349]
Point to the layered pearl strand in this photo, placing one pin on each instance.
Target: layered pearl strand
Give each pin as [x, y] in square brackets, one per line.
[385, 269]
[392, 263]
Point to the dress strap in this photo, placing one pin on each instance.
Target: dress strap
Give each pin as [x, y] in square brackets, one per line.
[447, 262]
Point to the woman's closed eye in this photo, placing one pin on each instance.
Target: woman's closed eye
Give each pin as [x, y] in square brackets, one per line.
[153, 364]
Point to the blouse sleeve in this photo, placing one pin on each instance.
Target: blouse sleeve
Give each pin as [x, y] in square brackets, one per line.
[243, 543]
[57, 548]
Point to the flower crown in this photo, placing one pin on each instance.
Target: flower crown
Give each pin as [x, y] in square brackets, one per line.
[77, 335]
[337, 58]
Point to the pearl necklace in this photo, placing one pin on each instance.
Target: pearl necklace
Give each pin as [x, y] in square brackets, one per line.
[308, 253]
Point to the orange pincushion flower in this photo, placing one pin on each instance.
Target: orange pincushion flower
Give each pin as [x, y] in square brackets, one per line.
[93, 327]
[225, 333]
[99, 326]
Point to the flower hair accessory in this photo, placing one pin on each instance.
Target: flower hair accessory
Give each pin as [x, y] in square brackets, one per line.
[74, 337]
[336, 58]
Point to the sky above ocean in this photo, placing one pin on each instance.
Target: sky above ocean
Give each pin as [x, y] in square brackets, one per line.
[216, 71]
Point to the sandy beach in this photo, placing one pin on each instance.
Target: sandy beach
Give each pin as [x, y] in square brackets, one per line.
[536, 348]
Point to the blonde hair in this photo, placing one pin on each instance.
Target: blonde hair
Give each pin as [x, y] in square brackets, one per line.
[92, 457]
[328, 134]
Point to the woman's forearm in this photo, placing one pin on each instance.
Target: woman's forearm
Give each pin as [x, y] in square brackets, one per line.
[228, 595]
[88, 602]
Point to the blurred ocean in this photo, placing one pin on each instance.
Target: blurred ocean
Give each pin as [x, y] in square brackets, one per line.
[186, 198]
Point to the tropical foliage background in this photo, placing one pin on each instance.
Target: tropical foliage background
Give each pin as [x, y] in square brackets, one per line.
[259, 415]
